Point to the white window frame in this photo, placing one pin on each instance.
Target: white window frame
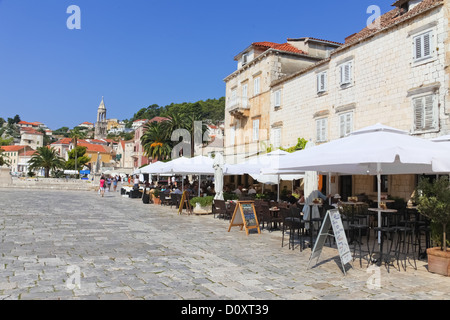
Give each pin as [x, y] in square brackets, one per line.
[322, 130]
[346, 73]
[245, 95]
[277, 99]
[345, 123]
[256, 86]
[233, 101]
[276, 137]
[322, 78]
[255, 134]
[423, 46]
[425, 111]
[232, 136]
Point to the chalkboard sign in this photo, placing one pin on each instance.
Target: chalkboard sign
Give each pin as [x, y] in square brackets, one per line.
[244, 216]
[333, 220]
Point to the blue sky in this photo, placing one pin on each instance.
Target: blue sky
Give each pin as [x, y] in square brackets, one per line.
[141, 52]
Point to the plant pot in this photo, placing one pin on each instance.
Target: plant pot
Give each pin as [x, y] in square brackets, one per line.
[438, 261]
[198, 209]
[156, 200]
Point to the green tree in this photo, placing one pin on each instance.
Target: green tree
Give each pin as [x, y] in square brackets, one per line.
[433, 199]
[77, 154]
[47, 159]
[76, 134]
[155, 142]
[3, 160]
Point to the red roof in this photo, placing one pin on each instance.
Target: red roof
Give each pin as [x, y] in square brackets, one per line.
[277, 46]
[29, 130]
[391, 18]
[159, 119]
[30, 123]
[93, 147]
[12, 148]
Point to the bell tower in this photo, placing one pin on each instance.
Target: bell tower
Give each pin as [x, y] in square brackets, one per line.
[101, 124]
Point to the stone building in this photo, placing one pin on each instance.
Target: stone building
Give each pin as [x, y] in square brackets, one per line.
[248, 90]
[395, 74]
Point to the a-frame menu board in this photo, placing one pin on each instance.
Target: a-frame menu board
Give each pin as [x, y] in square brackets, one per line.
[185, 200]
[244, 216]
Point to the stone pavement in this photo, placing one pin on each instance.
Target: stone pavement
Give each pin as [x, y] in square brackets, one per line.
[76, 245]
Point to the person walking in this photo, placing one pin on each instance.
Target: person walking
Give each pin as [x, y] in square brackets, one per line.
[102, 185]
[115, 183]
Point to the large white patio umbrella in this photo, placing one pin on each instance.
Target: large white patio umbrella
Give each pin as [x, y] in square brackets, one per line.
[254, 166]
[374, 150]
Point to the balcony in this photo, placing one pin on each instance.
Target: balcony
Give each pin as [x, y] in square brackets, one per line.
[239, 108]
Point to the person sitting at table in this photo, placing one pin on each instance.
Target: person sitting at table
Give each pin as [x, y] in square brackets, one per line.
[238, 190]
[177, 191]
[251, 190]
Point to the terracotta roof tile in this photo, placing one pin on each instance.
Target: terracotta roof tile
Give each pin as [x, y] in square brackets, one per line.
[277, 46]
[391, 18]
[12, 148]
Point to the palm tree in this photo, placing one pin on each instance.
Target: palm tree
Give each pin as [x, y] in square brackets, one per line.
[46, 158]
[76, 134]
[155, 141]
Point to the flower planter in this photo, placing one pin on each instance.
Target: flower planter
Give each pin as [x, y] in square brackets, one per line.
[438, 261]
[156, 200]
[198, 209]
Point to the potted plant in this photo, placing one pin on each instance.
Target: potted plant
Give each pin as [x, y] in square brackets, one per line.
[155, 196]
[433, 200]
[202, 205]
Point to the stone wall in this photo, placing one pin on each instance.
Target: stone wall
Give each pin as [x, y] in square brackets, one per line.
[5, 177]
[50, 183]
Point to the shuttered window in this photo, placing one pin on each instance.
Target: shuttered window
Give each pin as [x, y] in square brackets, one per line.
[256, 86]
[256, 130]
[245, 95]
[423, 46]
[425, 113]
[276, 138]
[277, 99]
[321, 130]
[346, 73]
[321, 82]
[232, 136]
[345, 124]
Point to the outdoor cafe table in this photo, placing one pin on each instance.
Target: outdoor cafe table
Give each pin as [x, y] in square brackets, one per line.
[380, 211]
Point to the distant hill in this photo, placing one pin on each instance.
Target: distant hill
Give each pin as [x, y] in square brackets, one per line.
[212, 110]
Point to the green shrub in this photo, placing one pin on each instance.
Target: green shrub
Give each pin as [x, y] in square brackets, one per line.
[203, 201]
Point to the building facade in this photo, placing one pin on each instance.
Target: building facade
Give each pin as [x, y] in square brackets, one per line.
[395, 74]
[248, 91]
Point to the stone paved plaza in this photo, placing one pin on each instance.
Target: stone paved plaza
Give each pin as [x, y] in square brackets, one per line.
[76, 245]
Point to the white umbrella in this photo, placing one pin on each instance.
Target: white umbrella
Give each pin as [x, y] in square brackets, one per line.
[374, 150]
[254, 166]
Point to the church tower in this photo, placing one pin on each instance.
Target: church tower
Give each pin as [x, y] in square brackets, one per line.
[101, 124]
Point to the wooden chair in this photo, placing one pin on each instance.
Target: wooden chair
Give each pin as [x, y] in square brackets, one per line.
[219, 208]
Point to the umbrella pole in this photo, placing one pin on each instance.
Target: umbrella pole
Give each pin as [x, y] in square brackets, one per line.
[329, 187]
[379, 199]
[278, 197]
